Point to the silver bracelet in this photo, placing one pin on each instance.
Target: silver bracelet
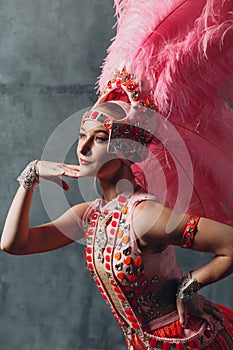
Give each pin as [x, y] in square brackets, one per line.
[29, 178]
[187, 287]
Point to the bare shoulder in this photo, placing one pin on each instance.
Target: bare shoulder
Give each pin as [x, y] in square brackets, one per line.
[157, 224]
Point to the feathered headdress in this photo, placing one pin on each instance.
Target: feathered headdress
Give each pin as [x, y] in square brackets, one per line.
[176, 56]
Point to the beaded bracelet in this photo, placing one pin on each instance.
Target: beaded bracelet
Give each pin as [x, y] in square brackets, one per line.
[188, 286]
[29, 178]
[189, 232]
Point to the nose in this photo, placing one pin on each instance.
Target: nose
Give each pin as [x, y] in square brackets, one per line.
[84, 147]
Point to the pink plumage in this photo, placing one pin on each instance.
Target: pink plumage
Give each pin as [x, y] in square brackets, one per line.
[182, 51]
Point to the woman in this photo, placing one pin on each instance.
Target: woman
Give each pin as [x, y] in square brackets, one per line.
[130, 252]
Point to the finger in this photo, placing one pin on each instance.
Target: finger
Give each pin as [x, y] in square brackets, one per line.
[209, 320]
[60, 182]
[182, 314]
[69, 172]
[215, 313]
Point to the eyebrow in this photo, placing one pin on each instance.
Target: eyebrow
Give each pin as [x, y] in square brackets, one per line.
[96, 131]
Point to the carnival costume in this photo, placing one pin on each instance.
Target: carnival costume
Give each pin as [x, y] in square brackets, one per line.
[170, 70]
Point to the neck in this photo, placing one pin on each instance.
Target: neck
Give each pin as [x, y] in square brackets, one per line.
[122, 181]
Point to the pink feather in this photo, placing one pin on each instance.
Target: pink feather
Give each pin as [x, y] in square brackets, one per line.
[182, 50]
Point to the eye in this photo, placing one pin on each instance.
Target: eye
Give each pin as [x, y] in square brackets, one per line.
[100, 139]
[81, 135]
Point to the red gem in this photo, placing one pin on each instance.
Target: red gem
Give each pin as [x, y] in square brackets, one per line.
[138, 261]
[128, 311]
[132, 277]
[105, 211]
[90, 266]
[108, 258]
[113, 283]
[91, 231]
[101, 290]
[112, 231]
[104, 296]
[135, 325]
[142, 278]
[114, 223]
[109, 250]
[117, 290]
[152, 342]
[127, 260]
[132, 318]
[118, 83]
[89, 250]
[121, 297]
[109, 84]
[107, 266]
[116, 317]
[127, 288]
[89, 258]
[122, 199]
[93, 223]
[94, 216]
[116, 215]
[94, 115]
[92, 212]
[120, 275]
[97, 281]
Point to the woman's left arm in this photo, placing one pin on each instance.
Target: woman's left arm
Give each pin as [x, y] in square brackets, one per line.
[155, 224]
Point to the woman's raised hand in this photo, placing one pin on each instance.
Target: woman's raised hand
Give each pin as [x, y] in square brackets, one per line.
[54, 171]
[199, 307]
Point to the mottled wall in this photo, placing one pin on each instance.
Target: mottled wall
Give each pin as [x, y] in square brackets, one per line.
[50, 53]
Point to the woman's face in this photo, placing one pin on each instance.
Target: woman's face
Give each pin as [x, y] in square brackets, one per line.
[92, 153]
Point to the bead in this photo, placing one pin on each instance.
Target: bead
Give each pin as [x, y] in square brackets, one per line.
[90, 266]
[127, 260]
[152, 342]
[109, 250]
[114, 223]
[117, 290]
[135, 325]
[121, 276]
[89, 258]
[118, 256]
[89, 250]
[132, 277]
[108, 258]
[121, 297]
[125, 240]
[120, 234]
[107, 266]
[105, 211]
[112, 231]
[138, 261]
[122, 199]
[127, 251]
[116, 215]
[124, 210]
[119, 267]
[131, 318]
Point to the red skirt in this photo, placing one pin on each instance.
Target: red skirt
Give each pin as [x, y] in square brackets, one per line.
[175, 331]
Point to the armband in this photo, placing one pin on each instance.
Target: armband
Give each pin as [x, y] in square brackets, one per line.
[189, 232]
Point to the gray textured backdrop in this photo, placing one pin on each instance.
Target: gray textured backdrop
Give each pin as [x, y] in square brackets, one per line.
[50, 53]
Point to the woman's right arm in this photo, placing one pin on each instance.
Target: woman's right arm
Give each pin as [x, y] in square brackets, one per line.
[18, 238]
